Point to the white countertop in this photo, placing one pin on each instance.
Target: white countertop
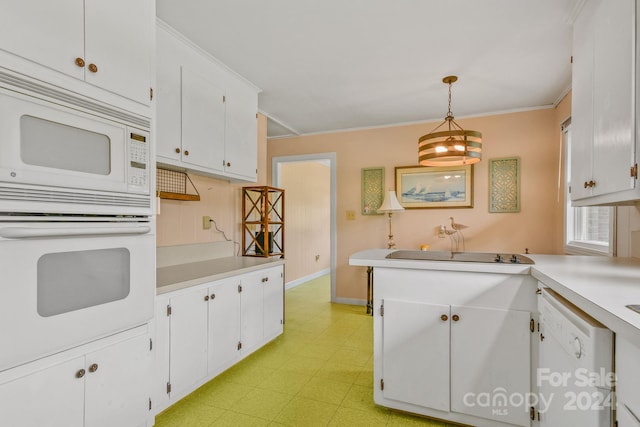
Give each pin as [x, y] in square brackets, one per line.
[376, 258]
[600, 286]
[183, 276]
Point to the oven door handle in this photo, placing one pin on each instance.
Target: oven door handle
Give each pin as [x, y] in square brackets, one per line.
[29, 233]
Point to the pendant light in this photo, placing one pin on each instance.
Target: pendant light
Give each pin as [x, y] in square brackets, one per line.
[452, 147]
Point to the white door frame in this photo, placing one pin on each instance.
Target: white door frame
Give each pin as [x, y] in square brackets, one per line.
[331, 157]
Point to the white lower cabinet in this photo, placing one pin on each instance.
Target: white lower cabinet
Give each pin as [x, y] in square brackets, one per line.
[224, 325]
[188, 340]
[273, 296]
[627, 365]
[107, 386]
[449, 357]
[490, 356]
[455, 345]
[262, 308]
[415, 345]
[205, 329]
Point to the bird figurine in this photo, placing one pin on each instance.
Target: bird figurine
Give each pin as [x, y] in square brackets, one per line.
[458, 229]
[453, 236]
[457, 226]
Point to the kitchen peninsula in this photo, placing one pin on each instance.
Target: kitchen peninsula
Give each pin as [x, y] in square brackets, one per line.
[469, 327]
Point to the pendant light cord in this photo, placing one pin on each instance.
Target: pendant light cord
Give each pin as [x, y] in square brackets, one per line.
[449, 112]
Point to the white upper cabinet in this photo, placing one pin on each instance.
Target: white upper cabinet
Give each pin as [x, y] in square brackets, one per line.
[603, 156]
[206, 114]
[203, 121]
[119, 40]
[49, 33]
[108, 44]
[241, 132]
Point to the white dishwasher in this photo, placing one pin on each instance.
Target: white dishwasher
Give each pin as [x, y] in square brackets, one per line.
[575, 373]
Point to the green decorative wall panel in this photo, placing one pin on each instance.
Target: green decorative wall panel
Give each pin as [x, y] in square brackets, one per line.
[504, 185]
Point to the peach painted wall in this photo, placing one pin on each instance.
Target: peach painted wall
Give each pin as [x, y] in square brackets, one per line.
[307, 218]
[180, 222]
[534, 136]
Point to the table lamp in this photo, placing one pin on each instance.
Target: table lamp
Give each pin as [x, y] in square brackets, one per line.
[390, 205]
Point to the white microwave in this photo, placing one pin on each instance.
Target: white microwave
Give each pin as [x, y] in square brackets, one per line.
[68, 155]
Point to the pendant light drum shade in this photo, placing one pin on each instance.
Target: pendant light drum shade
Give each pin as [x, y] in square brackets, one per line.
[453, 147]
[450, 148]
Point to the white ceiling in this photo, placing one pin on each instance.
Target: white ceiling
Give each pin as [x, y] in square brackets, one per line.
[327, 65]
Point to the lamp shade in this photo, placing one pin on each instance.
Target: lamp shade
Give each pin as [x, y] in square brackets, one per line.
[390, 203]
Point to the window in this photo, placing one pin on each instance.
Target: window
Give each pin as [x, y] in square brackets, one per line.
[588, 230]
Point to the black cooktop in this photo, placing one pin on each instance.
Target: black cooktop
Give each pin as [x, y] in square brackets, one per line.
[488, 257]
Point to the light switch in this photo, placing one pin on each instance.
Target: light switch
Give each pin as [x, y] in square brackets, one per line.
[351, 215]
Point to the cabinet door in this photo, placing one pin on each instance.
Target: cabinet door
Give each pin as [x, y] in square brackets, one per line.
[119, 41]
[613, 140]
[626, 418]
[628, 376]
[241, 138]
[490, 355]
[118, 384]
[203, 118]
[582, 104]
[168, 97]
[161, 349]
[252, 312]
[224, 325]
[273, 302]
[188, 340]
[415, 353]
[51, 397]
[50, 33]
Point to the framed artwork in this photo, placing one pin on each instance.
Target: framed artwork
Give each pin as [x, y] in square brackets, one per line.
[504, 185]
[421, 187]
[372, 190]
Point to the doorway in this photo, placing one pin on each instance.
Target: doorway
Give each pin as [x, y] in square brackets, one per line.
[291, 168]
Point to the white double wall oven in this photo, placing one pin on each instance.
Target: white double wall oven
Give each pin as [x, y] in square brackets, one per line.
[77, 235]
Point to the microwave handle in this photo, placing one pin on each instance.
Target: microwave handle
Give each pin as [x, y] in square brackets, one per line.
[28, 233]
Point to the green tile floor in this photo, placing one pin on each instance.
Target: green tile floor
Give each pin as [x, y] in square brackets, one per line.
[318, 373]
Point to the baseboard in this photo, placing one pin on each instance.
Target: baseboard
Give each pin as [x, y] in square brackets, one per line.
[305, 279]
[350, 301]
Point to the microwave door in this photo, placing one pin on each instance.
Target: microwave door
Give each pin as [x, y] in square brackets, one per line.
[50, 145]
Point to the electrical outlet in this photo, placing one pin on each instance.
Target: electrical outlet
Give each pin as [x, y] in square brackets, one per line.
[351, 215]
[206, 222]
[317, 258]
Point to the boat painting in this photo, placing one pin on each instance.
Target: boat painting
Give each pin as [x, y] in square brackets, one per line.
[424, 187]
